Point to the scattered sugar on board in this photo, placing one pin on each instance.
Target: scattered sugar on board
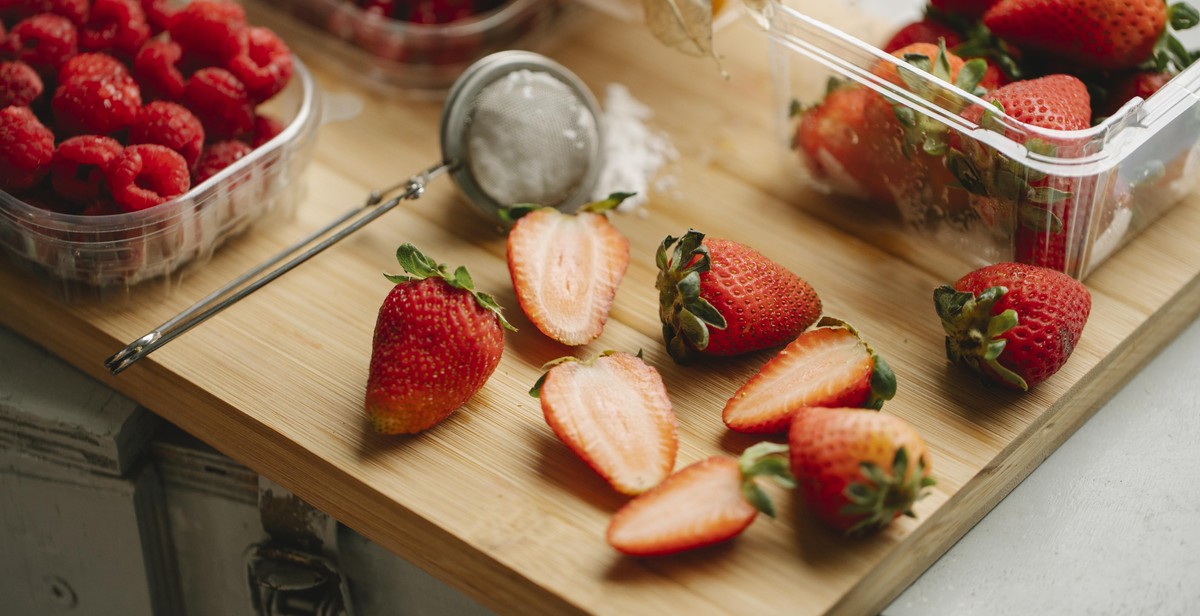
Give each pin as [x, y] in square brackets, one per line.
[633, 152]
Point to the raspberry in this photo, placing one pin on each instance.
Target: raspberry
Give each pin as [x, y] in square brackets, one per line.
[158, 14]
[266, 65]
[220, 101]
[265, 129]
[77, 171]
[20, 85]
[43, 41]
[74, 10]
[210, 29]
[89, 65]
[157, 67]
[26, 148]
[219, 156]
[172, 125]
[146, 175]
[117, 25]
[96, 105]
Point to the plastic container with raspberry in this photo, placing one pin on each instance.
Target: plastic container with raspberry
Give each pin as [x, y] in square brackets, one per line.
[412, 47]
[995, 147]
[131, 147]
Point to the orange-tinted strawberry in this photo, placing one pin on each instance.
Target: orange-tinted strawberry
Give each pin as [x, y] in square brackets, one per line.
[858, 469]
[614, 413]
[826, 366]
[436, 342]
[720, 297]
[1014, 323]
[708, 502]
[566, 268]
[1096, 34]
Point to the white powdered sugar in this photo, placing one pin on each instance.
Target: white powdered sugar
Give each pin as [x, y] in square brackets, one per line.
[633, 152]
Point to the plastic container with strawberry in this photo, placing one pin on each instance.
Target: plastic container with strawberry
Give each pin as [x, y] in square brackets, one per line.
[413, 47]
[1004, 130]
[136, 136]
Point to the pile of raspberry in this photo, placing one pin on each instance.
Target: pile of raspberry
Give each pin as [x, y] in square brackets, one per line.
[428, 11]
[110, 106]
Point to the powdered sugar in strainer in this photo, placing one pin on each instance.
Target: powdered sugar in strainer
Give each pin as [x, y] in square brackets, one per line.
[516, 127]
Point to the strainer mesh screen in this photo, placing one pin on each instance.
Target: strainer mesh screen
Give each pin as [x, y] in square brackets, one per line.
[531, 139]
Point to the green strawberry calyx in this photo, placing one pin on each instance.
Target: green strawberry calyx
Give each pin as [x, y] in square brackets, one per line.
[930, 134]
[764, 460]
[883, 380]
[973, 333]
[885, 494]
[417, 266]
[686, 316]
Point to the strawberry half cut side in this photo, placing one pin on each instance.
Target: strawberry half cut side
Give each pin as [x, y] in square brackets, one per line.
[614, 413]
[828, 366]
[708, 502]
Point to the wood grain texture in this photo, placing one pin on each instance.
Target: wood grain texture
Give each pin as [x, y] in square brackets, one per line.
[488, 500]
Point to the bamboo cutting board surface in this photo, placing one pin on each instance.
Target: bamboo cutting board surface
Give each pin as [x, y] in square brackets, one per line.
[489, 501]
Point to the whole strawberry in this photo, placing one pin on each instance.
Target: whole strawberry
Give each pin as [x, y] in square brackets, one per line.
[1016, 324]
[1095, 34]
[719, 297]
[858, 469]
[437, 341]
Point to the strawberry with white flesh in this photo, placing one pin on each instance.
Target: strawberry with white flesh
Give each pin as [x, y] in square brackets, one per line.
[718, 297]
[1015, 324]
[858, 469]
[614, 413]
[566, 268]
[437, 341]
[707, 502]
[827, 366]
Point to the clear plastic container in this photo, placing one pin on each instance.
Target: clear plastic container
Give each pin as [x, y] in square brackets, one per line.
[98, 257]
[398, 57]
[998, 192]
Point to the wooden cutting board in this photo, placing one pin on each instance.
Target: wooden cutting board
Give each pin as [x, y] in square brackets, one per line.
[489, 501]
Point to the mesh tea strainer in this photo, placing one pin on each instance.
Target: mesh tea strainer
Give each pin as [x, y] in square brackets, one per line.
[516, 127]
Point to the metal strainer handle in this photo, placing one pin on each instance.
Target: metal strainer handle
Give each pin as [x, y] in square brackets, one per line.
[254, 279]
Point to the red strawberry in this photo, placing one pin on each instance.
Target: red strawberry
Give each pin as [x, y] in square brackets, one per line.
[1099, 34]
[858, 469]
[707, 502]
[1141, 84]
[719, 297]
[1043, 206]
[614, 413]
[826, 366]
[1014, 323]
[566, 268]
[924, 31]
[437, 341]
[969, 8]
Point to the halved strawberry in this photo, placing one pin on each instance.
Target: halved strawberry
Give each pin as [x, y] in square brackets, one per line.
[566, 268]
[827, 366]
[705, 503]
[614, 413]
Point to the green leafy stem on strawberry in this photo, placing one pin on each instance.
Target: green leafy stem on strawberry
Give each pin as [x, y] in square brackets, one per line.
[974, 333]
[686, 316]
[884, 493]
[420, 267]
[516, 211]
